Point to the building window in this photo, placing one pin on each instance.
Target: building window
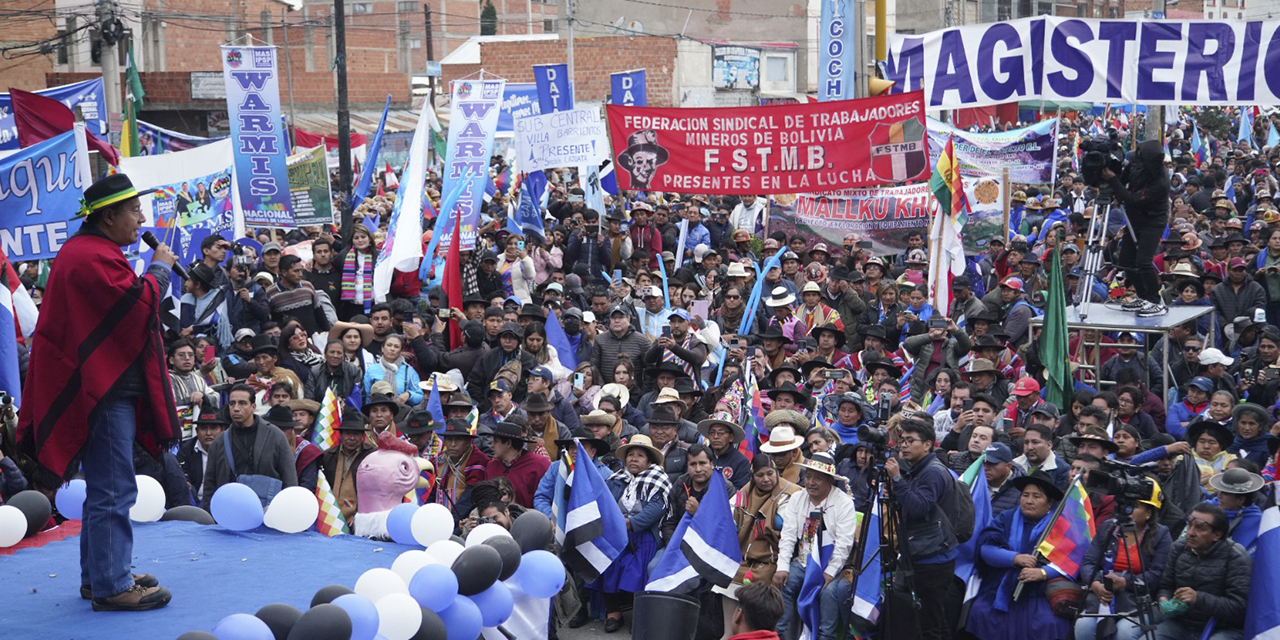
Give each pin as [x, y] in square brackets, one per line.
[778, 73]
[415, 43]
[66, 41]
[550, 26]
[407, 6]
[361, 8]
[1082, 11]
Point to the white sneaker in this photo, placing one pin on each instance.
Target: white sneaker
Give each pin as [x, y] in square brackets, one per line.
[1134, 305]
[1152, 309]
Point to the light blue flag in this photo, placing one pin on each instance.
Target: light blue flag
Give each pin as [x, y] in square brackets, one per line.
[1245, 134]
[1262, 618]
[444, 223]
[1273, 136]
[557, 338]
[370, 161]
[703, 547]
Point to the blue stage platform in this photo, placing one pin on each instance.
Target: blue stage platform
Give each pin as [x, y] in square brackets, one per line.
[211, 571]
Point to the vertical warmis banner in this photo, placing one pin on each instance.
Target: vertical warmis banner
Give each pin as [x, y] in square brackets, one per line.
[261, 160]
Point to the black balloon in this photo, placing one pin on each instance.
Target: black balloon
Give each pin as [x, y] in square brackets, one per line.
[322, 622]
[187, 513]
[328, 594]
[509, 549]
[477, 568]
[532, 530]
[197, 635]
[458, 540]
[280, 618]
[432, 627]
[35, 507]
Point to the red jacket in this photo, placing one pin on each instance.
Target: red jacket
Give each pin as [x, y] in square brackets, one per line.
[763, 634]
[524, 475]
[98, 319]
[406, 284]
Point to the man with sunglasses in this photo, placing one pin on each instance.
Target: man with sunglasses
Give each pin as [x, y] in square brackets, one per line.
[1207, 578]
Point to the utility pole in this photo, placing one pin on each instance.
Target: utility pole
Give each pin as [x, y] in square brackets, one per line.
[107, 57]
[881, 46]
[344, 112]
[431, 55]
[860, 70]
[288, 66]
[569, 16]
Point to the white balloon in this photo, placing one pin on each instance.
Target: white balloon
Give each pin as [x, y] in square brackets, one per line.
[431, 523]
[13, 526]
[293, 510]
[485, 531]
[376, 584]
[150, 503]
[399, 616]
[446, 551]
[410, 561]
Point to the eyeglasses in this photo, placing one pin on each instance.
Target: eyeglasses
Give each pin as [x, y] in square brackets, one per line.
[732, 297]
[909, 441]
[1191, 349]
[610, 411]
[1198, 524]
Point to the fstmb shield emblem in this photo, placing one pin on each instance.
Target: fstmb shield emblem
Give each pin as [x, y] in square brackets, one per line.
[898, 151]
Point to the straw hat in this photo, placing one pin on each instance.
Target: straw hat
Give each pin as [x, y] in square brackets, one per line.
[640, 441]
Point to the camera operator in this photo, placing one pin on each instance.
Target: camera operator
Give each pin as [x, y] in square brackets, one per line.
[921, 486]
[1143, 188]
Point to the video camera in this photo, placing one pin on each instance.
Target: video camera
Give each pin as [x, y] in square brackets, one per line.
[1098, 153]
[873, 432]
[1123, 481]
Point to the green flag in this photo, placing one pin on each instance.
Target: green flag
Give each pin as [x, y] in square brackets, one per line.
[129, 143]
[1053, 340]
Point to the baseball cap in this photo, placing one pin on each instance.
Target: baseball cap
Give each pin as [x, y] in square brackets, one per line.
[1012, 283]
[1202, 383]
[272, 246]
[960, 282]
[1047, 409]
[539, 372]
[555, 286]
[588, 316]
[616, 309]
[1215, 356]
[998, 452]
[244, 333]
[500, 385]
[680, 313]
[1026, 387]
[1237, 263]
[573, 311]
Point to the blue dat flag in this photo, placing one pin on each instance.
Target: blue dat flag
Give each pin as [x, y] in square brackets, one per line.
[707, 545]
[595, 531]
[628, 88]
[554, 93]
[261, 161]
[557, 338]
[1262, 619]
[837, 56]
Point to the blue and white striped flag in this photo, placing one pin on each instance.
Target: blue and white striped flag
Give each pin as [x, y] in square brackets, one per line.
[866, 591]
[967, 552]
[707, 543]
[595, 532]
[807, 604]
[1262, 619]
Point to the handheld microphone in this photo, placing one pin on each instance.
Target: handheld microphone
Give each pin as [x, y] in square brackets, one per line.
[150, 239]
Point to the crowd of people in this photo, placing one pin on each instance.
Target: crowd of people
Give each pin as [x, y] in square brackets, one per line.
[667, 351]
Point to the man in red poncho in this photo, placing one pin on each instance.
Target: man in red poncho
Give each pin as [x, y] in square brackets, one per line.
[97, 381]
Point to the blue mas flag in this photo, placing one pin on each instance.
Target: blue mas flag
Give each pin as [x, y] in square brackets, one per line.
[811, 589]
[527, 217]
[1262, 619]
[557, 338]
[708, 543]
[370, 161]
[967, 552]
[866, 592]
[595, 532]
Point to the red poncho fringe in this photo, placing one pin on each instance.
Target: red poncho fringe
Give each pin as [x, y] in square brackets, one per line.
[97, 319]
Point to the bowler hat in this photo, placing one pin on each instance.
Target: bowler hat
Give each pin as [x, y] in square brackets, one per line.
[281, 416]
[1040, 479]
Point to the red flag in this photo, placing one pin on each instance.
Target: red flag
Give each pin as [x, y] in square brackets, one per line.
[39, 118]
[453, 286]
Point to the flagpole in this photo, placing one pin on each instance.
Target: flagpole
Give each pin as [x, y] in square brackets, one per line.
[1004, 178]
[1057, 511]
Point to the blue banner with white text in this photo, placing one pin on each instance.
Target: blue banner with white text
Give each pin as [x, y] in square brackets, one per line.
[471, 127]
[554, 93]
[87, 96]
[837, 56]
[261, 159]
[628, 88]
[40, 191]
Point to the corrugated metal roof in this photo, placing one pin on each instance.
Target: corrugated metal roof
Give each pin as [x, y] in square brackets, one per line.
[363, 122]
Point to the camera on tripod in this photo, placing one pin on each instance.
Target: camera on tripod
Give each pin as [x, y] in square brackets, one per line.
[1123, 481]
[873, 432]
[1098, 153]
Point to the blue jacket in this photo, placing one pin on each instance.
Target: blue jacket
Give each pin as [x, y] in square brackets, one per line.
[1099, 560]
[1177, 415]
[921, 491]
[545, 495]
[406, 380]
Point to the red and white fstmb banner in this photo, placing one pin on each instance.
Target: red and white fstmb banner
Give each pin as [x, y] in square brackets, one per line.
[822, 146]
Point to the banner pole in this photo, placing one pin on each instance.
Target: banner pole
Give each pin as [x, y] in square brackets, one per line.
[1004, 176]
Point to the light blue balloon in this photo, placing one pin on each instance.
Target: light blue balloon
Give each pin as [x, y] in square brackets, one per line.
[236, 507]
[495, 604]
[399, 521]
[242, 626]
[70, 499]
[364, 616]
[540, 575]
[434, 586]
[462, 620]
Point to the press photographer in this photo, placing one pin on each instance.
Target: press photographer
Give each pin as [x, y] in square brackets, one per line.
[1142, 186]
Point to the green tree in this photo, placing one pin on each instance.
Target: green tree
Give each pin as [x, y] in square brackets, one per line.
[488, 19]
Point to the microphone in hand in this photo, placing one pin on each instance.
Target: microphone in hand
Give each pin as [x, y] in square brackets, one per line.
[150, 239]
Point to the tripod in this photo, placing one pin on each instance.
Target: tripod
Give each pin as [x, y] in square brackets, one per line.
[1095, 243]
[1141, 595]
[893, 563]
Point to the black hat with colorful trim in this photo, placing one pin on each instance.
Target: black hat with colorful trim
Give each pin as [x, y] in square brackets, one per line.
[110, 190]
